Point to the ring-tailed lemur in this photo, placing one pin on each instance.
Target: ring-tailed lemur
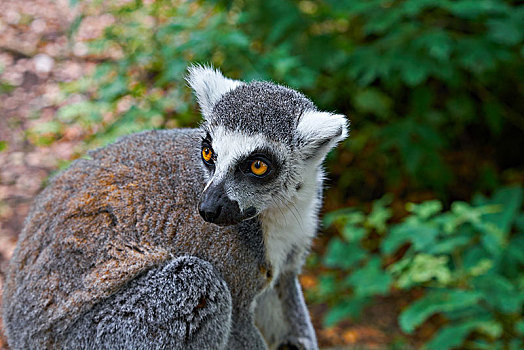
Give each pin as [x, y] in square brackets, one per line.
[183, 239]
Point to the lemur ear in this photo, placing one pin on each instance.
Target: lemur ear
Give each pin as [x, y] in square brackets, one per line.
[209, 85]
[319, 132]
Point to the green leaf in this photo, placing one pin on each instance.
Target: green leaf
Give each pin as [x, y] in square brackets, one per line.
[519, 327]
[115, 89]
[482, 344]
[474, 256]
[449, 337]
[492, 329]
[380, 214]
[438, 44]
[504, 31]
[103, 70]
[421, 235]
[347, 309]
[473, 312]
[473, 8]
[423, 268]
[370, 279]
[349, 215]
[511, 200]
[414, 72]
[174, 71]
[481, 267]
[493, 239]
[50, 127]
[3, 145]
[515, 252]
[85, 112]
[516, 344]
[499, 215]
[519, 222]
[426, 209]
[374, 101]
[327, 285]
[474, 56]
[352, 233]
[499, 292]
[343, 255]
[433, 302]
[451, 244]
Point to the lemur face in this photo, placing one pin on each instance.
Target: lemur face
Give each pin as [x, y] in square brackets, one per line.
[245, 175]
[262, 142]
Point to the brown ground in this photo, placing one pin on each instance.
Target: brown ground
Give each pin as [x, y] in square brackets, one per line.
[35, 57]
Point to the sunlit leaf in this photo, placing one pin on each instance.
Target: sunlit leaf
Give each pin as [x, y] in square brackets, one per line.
[352, 233]
[425, 210]
[423, 268]
[380, 214]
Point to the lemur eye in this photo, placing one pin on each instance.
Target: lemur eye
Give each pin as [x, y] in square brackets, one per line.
[207, 154]
[258, 167]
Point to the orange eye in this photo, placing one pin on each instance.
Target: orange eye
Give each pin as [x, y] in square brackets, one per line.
[207, 154]
[258, 167]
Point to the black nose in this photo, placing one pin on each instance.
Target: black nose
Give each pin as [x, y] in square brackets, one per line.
[209, 212]
[216, 207]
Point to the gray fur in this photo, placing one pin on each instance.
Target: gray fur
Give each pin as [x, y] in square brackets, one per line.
[186, 300]
[261, 108]
[114, 253]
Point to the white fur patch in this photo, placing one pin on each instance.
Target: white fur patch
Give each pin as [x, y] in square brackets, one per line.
[270, 319]
[209, 85]
[292, 225]
[316, 126]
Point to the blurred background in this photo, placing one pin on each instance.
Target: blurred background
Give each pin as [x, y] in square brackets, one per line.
[422, 243]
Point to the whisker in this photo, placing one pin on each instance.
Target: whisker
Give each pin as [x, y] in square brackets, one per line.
[295, 212]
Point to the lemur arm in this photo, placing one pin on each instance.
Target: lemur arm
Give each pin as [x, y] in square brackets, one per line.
[301, 332]
[283, 318]
[244, 333]
[184, 304]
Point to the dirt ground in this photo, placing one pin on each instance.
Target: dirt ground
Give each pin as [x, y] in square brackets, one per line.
[35, 57]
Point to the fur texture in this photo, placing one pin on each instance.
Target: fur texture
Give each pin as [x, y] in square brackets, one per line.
[114, 253]
[191, 300]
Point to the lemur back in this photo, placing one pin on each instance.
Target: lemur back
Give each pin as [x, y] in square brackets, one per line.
[177, 238]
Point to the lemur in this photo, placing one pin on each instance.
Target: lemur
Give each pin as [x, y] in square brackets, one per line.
[180, 239]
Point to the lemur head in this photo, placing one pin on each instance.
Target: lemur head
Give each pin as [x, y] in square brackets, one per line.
[263, 146]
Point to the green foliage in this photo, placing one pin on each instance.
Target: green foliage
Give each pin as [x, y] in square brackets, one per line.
[3, 145]
[469, 260]
[420, 79]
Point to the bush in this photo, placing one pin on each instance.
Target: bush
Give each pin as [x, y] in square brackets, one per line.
[429, 85]
[468, 260]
